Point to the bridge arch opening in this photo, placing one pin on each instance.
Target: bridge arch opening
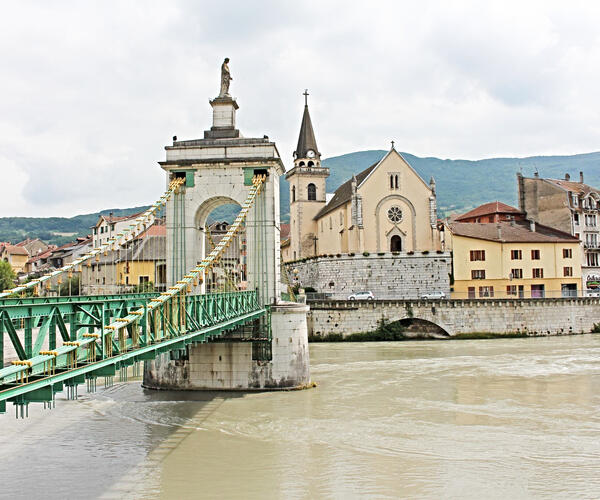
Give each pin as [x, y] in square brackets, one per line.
[419, 327]
[213, 219]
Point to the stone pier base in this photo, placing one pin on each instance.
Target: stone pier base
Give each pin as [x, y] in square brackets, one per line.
[229, 365]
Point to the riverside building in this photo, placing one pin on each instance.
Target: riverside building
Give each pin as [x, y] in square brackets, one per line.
[510, 257]
[572, 207]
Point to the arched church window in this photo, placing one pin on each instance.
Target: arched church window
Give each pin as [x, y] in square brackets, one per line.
[301, 164]
[391, 182]
[312, 192]
[394, 214]
[396, 181]
[293, 193]
[395, 244]
[311, 163]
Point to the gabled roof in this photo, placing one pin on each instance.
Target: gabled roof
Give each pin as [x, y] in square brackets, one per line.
[111, 219]
[575, 187]
[511, 232]
[343, 194]
[494, 207]
[306, 139]
[15, 250]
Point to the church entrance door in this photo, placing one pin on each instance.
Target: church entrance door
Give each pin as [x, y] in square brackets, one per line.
[396, 244]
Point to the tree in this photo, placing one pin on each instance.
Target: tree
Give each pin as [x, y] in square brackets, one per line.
[7, 276]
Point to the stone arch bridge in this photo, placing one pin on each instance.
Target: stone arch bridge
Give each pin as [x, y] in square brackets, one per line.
[451, 317]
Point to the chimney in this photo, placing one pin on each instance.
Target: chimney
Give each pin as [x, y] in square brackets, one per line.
[567, 177]
[581, 177]
[532, 225]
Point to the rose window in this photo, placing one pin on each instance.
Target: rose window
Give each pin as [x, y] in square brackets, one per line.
[394, 214]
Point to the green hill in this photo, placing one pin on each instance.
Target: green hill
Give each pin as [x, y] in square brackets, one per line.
[464, 184]
[461, 185]
[57, 230]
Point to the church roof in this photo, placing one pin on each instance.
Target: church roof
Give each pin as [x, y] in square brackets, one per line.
[343, 194]
[306, 140]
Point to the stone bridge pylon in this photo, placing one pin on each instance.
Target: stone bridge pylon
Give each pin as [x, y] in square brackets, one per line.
[218, 170]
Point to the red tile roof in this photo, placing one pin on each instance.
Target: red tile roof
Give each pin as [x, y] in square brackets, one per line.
[576, 187]
[494, 207]
[284, 231]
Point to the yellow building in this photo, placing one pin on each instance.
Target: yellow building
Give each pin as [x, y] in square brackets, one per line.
[385, 208]
[512, 259]
[16, 256]
[140, 266]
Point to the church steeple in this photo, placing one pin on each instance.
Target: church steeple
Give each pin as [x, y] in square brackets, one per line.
[307, 145]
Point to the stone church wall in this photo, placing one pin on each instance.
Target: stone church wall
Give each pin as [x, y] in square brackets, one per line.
[388, 276]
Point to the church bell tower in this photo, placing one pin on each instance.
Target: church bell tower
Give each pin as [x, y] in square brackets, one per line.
[307, 190]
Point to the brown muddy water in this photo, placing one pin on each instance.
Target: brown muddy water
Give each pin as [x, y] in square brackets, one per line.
[484, 419]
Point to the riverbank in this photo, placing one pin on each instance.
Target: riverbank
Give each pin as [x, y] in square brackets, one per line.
[401, 337]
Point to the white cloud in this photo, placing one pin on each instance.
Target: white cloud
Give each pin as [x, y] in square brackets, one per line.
[91, 92]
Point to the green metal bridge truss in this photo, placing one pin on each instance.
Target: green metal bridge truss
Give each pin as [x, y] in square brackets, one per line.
[103, 334]
[90, 350]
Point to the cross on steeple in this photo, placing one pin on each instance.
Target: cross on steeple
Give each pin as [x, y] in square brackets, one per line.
[306, 94]
[392, 144]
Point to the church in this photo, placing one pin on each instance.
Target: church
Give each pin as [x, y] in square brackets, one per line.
[387, 207]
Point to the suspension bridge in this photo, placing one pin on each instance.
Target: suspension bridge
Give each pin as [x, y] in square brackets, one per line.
[219, 324]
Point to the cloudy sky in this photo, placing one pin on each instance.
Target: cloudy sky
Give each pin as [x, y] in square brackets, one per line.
[91, 92]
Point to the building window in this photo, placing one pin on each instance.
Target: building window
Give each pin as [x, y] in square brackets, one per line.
[511, 290]
[486, 291]
[537, 273]
[144, 279]
[477, 255]
[391, 182]
[592, 259]
[575, 199]
[567, 271]
[535, 255]
[590, 220]
[312, 192]
[394, 214]
[395, 244]
[341, 218]
[396, 181]
[516, 255]
[567, 253]
[330, 223]
[293, 193]
[537, 291]
[471, 292]
[575, 218]
[478, 274]
[517, 274]
[591, 240]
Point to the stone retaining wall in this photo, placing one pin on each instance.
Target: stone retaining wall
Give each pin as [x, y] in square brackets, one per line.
[388, 276]
[535, 316]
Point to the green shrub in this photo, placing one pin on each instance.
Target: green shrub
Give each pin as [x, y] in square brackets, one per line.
[366, 254]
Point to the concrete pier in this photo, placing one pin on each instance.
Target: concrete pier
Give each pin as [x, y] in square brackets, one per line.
[230, 365]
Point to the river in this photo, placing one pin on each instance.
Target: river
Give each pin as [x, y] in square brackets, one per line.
[481, 419]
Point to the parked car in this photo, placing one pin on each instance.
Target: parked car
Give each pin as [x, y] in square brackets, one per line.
[361, 296]
[437, 295]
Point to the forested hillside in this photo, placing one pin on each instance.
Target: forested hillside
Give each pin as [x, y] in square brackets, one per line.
[461, 185]
[464, 184]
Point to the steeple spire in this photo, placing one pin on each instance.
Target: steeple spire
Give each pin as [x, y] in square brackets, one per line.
[307, 145]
